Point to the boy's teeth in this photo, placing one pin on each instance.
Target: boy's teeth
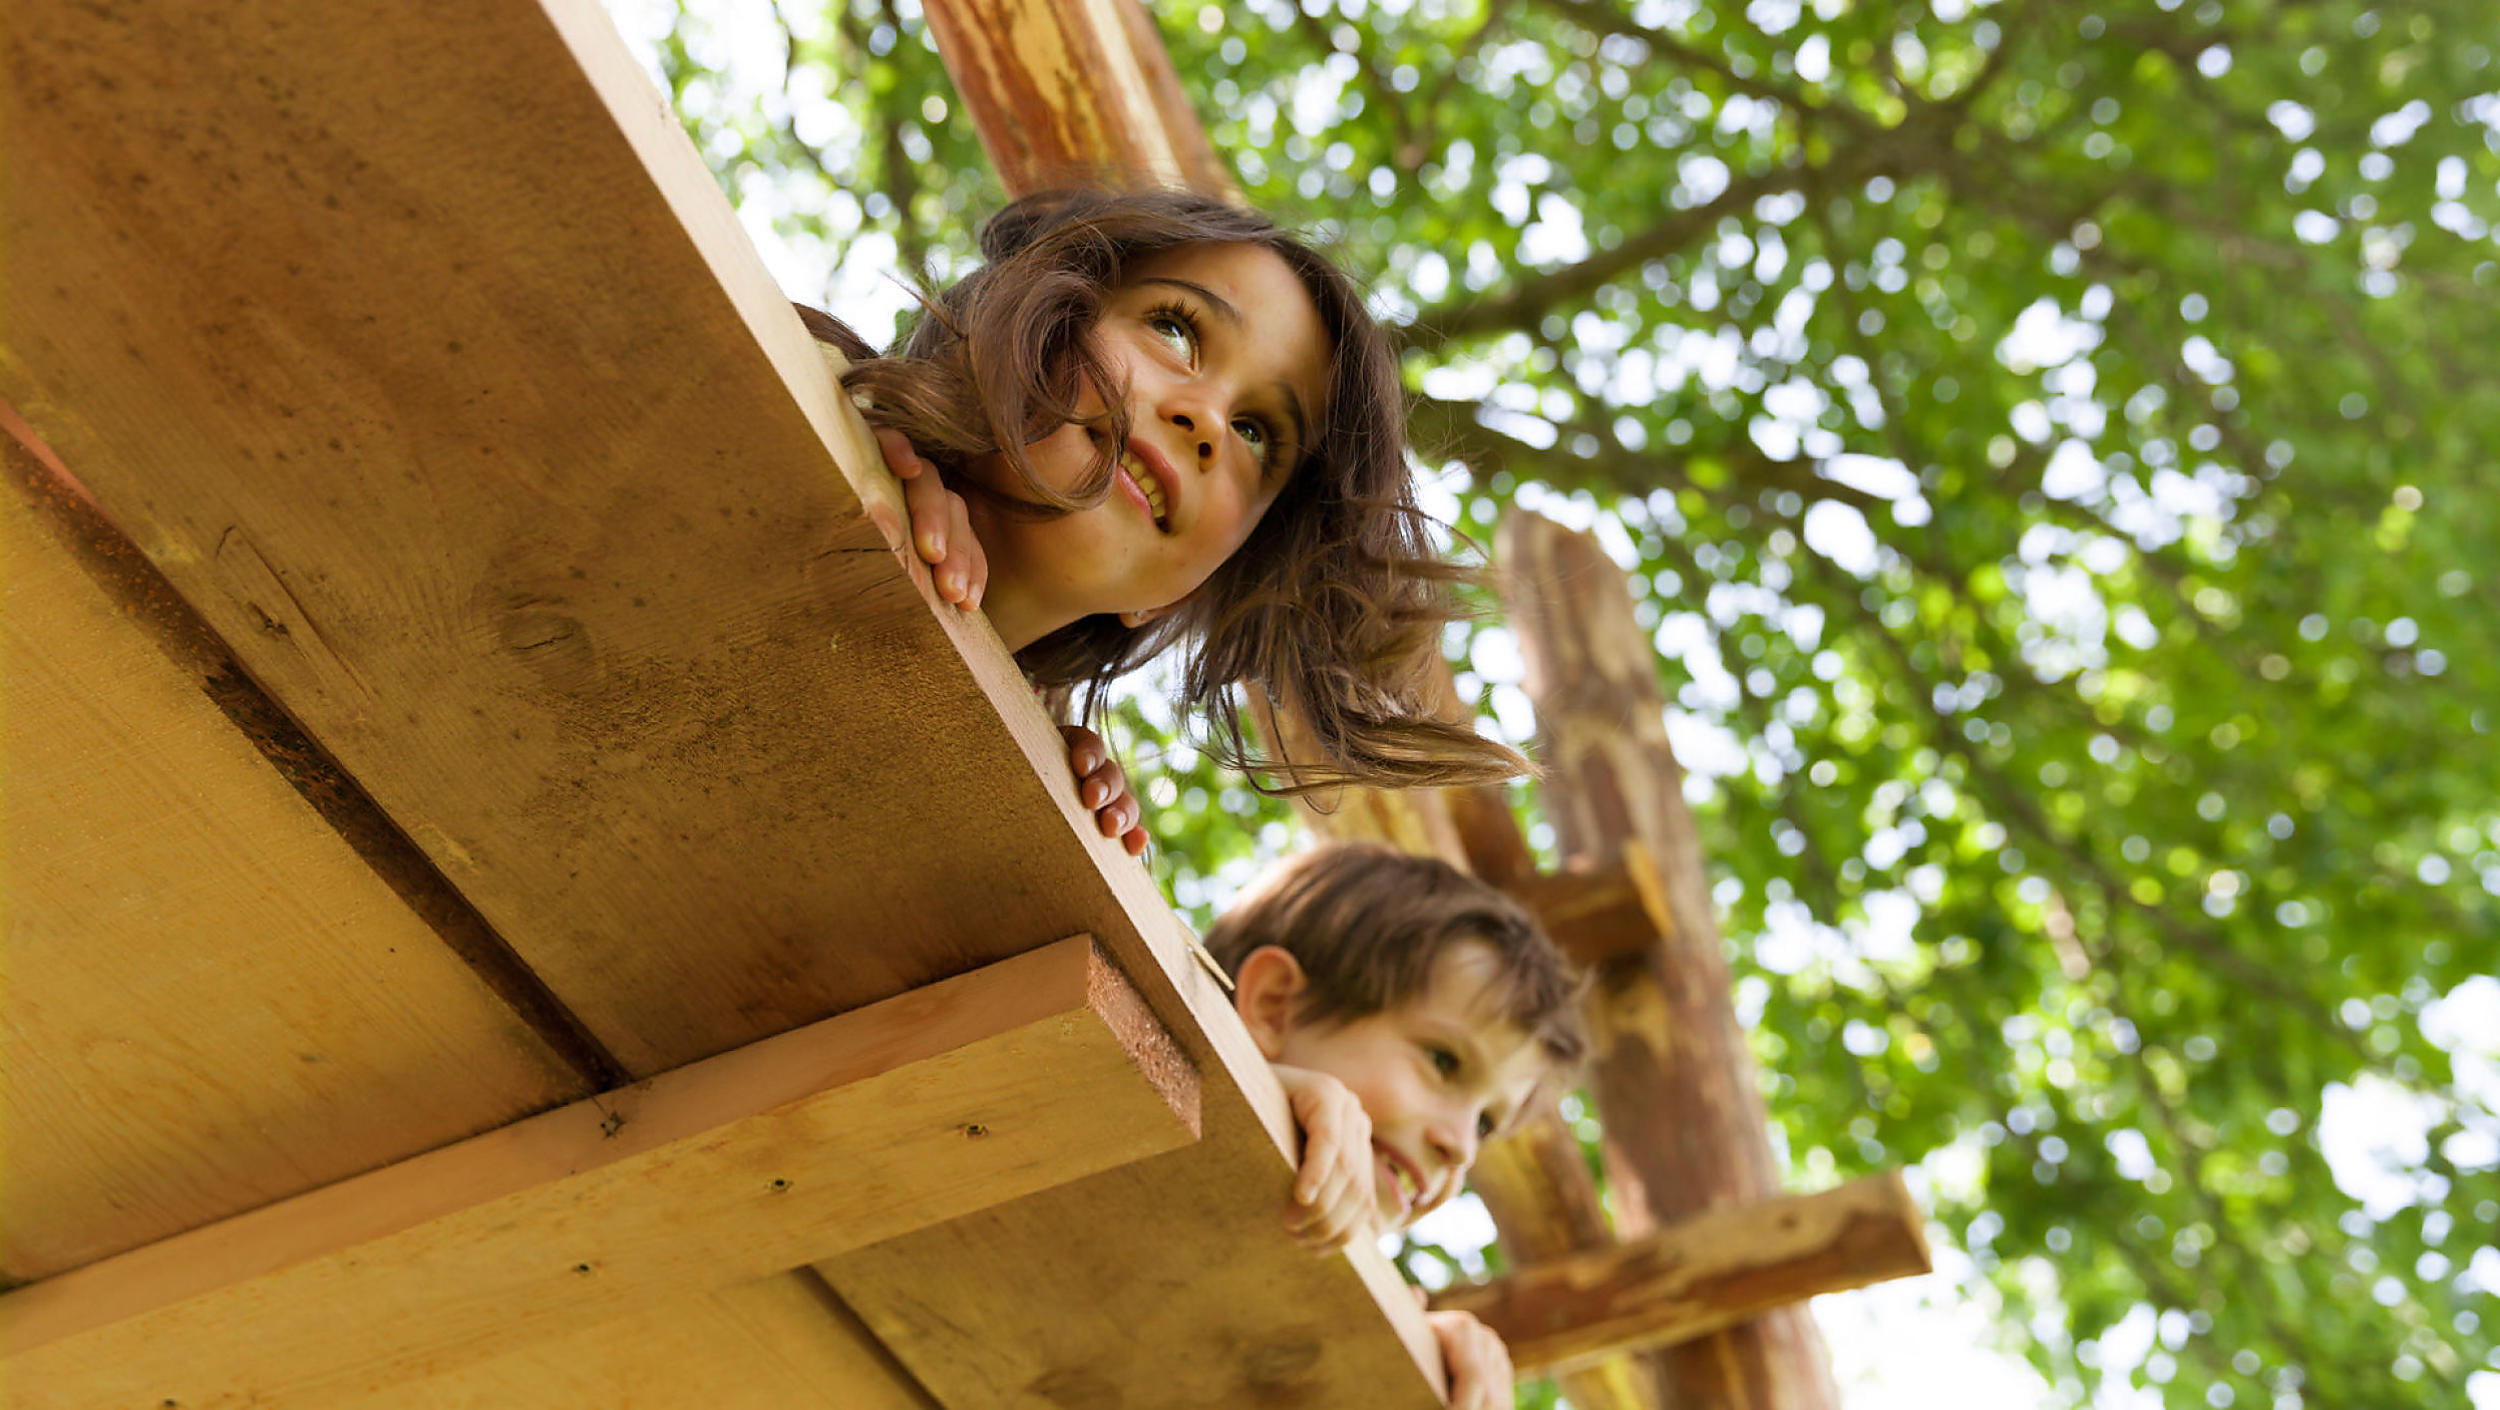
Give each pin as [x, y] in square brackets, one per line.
[1406, 1183]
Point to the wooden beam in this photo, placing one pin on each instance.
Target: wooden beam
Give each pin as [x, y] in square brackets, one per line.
[1686, 1133]
[1702, 1275]
[1596, 910]
[969, 1093]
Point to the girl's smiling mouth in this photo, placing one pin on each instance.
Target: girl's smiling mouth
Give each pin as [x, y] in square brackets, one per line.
[1147, 481]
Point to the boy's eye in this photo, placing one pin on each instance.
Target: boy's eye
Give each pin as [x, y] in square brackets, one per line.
[1486, 1126]
[1444, 1062]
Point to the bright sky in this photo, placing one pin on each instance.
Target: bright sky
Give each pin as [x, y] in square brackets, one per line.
[1933, 1343]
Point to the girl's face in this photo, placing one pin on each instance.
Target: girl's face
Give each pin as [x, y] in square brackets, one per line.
[1226, 364]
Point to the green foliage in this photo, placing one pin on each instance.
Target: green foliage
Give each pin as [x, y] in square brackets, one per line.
[2052, 441]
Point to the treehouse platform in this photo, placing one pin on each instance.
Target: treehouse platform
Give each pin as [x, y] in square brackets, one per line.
[515, 893]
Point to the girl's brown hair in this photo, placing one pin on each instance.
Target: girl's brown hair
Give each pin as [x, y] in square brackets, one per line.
[1334, 606]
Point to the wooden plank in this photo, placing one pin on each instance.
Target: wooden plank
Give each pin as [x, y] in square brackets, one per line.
[781, 1343]
[1702, 1275]
[1676, 1088]
[1596, 910]
[1189, 1295]
[486, 476]
[208, 1000]
[968, 1093]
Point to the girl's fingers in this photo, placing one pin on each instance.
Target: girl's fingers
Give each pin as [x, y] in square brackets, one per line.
[901, 460]
[1085, 749]
[976, 562]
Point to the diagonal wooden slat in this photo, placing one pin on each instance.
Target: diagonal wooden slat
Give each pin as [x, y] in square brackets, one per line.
[964, 1094]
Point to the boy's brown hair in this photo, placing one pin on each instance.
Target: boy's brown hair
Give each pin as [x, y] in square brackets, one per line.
[1369, 923]
[1335, 604]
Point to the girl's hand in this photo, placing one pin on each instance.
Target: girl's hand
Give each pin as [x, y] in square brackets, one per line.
[1478, 1363]
[1332, 1192]
[941, 532]
[1102, 787]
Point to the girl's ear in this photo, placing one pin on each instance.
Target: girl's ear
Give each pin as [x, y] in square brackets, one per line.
[1266, 992]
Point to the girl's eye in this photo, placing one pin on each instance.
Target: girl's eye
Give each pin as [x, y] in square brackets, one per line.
[1444, 1062]
[1178, 331]
[1254, 435]
[1486, 1126]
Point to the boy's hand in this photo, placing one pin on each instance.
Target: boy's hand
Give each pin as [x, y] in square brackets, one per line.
[1478, 1363]
[1332, 1192]
[1102, 787]
[941, 531]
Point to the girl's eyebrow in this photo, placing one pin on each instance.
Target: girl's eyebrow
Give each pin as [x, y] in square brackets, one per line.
[1286, 392]
[1214, 300]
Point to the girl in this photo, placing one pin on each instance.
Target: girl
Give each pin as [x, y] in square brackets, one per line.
[1153, 420]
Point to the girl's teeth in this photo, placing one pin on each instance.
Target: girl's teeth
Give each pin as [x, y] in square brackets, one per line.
[1147, 485]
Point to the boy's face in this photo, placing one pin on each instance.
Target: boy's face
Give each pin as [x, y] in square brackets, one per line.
[1437, 1075]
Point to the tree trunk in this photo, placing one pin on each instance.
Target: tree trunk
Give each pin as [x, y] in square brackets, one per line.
[1676, 1086]
[1074, 92]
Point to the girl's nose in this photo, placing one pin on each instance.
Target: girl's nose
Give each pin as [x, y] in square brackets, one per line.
[1203, 441]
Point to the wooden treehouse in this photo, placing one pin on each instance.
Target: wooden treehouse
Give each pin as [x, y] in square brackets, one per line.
[516, 895]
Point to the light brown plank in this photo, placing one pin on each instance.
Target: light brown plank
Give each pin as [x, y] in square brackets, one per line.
[1703, 1275]
[779, 1343]
[1165, 1283]
[207, 1000]
[953, 1098]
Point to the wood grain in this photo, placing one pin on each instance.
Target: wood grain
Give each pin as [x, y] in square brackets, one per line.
[1074, 92]
[783, 1343]
[1701, 1275]
[208, 1001]
[1164, 1283]
[1597, 909]
[953, 1098]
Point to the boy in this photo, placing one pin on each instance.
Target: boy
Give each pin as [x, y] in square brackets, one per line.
[1411, 1012]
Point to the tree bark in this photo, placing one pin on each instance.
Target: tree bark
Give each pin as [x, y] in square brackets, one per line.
[1676, 1086]
[1074, 92]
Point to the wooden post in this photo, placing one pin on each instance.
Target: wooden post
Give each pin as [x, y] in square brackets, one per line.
[1676, 1087]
